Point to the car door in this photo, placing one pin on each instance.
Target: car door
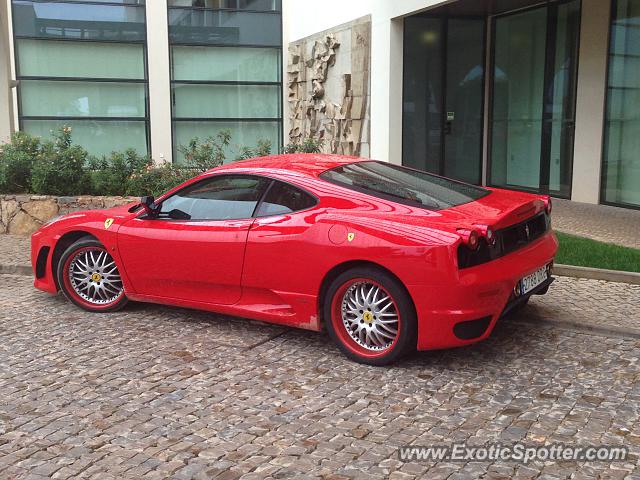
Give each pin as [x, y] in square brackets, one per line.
[194, 248]
[282, 249]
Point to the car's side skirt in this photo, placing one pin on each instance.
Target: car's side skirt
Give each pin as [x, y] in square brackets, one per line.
[299, 311]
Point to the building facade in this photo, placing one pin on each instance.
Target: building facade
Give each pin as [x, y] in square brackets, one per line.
[533, 95]
[145, 75]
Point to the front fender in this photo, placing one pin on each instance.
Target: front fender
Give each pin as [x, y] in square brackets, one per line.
[56, 236]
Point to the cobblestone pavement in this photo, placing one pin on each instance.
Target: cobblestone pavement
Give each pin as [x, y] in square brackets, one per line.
[598, 222]
[15, 250]
[155, 392]
[589, 303]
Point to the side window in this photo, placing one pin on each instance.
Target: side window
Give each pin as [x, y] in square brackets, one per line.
[283, 198]
[218, 198]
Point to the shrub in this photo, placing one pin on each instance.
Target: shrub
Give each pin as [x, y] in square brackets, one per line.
[207, 154]
[57, 167]
[60, 167]
[111, 175]
[16, 162]
[156, 180]
[263, 149]
[308, 145]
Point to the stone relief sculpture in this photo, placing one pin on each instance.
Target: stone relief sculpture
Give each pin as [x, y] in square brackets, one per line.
[329, 99]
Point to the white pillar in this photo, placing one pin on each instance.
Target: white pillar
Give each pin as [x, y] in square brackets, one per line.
[6, 95]
[591, 97]
[386, 89]
[159, 81]
[287, 19]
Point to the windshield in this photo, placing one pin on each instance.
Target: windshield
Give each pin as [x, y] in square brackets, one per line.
[403, 185]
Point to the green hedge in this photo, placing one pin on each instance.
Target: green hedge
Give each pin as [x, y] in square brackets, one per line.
[55, 166]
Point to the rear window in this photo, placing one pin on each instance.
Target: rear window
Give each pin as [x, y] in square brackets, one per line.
[403, 185]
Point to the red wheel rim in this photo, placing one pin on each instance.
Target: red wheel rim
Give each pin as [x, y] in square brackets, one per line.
[366, 318]
[91, 277]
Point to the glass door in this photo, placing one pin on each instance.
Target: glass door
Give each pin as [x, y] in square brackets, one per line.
[443, 96]
[464, 87]
[533, 98]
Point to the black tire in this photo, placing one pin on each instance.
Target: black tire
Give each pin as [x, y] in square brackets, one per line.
[407, 331]
[85, 243]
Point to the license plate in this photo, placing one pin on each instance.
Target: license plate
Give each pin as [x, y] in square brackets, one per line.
[537, 278]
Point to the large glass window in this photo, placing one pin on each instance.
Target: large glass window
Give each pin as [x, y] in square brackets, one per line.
[621, 162]
[82, 64]
[534, 87]
[74, 20]
[443, 92]
[226, 71]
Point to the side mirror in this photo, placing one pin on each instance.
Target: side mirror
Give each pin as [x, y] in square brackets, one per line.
[147, 204]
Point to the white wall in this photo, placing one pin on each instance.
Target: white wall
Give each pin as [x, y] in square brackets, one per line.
[159, 81]
[590, 105]
[6, 95]
[386, 56]
[303, 21]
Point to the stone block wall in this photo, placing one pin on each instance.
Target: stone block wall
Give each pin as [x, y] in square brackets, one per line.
[328, 82]
[24, 214]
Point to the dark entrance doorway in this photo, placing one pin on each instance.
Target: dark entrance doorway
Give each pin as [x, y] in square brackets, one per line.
[533, 95]
[444, 76]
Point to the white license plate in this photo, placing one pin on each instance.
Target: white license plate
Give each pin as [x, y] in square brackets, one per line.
[530, 282]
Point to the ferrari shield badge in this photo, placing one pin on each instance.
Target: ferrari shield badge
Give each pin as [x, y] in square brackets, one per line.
[108, 222]
[351, 236]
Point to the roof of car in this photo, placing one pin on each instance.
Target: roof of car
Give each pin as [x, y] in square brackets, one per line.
[311, 164]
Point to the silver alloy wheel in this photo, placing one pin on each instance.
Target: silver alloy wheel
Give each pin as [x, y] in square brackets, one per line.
[370, 316]
[94, 276]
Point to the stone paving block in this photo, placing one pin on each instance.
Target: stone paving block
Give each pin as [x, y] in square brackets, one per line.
[598, 222]
[155, 392]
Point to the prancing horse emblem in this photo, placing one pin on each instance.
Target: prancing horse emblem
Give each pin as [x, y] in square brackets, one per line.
[526, 230]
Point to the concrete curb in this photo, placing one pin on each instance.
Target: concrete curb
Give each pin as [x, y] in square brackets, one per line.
[16, 270]
[597, 274]
[607, 331]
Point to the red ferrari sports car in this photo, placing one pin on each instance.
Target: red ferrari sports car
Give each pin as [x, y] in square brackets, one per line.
[388, 259]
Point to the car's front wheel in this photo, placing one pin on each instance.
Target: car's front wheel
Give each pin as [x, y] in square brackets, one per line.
[370, 316]
[89, 277]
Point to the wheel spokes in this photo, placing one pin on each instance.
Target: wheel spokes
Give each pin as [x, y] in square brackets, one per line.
[94, 276]
[370, 316]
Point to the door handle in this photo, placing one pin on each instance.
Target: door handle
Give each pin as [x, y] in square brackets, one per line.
[448, 127]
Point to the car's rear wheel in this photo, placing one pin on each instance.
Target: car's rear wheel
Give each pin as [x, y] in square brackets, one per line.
[89, 277]
[370, 316]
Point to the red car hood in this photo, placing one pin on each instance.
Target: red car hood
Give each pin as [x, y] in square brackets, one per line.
[117, 215]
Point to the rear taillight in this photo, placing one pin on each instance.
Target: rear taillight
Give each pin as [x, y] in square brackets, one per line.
[487, 233]
[490, 236]
[471, 238]
[548, 205]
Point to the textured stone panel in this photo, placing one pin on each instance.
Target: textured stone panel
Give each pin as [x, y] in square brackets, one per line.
[24, 214]
[328, 84]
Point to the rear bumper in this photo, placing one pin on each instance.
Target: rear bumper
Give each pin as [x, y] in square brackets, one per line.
[479, 296]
